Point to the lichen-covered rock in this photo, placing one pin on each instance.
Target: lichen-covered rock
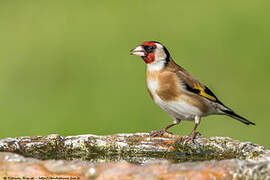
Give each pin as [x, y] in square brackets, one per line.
[137, 148]
[131, 156]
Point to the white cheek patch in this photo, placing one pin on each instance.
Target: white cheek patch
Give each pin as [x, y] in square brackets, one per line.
[159, 46]
[160, 55]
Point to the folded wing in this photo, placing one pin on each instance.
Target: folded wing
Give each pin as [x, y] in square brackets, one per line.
[194, 86]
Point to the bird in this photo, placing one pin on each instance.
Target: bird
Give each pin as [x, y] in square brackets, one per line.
[176, 92]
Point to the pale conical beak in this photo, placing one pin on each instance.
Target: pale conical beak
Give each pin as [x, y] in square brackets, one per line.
[138, 51]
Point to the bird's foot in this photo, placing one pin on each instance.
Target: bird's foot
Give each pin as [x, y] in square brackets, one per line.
[191, 137]
[162, 132]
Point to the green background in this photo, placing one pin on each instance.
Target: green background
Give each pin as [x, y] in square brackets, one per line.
[65, 66]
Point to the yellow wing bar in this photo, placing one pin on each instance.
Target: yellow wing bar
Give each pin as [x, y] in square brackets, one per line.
[203, 93]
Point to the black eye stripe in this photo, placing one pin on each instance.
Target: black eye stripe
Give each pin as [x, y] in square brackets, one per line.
[149, 49]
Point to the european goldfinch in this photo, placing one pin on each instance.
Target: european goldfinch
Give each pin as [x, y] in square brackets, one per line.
[175, 91]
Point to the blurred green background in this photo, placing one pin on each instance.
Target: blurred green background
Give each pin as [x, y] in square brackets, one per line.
[65, 66]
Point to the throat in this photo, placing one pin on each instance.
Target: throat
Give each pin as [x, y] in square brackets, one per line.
[156, 66]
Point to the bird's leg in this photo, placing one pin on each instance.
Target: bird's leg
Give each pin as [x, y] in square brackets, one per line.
[164, 130]
[194, 133]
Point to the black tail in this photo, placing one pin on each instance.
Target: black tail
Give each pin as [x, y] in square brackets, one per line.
[237, 117]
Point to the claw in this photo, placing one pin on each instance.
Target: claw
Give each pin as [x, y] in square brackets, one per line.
[191, 137]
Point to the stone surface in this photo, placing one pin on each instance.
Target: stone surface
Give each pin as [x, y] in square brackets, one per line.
[136, 148]
[131, 156]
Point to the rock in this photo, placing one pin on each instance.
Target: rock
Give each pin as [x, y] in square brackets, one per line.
[136, 148]
[132, 156]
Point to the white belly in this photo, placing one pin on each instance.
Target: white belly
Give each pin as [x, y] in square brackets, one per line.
[177, 109]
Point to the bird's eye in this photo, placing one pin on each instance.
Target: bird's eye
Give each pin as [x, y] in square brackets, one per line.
[149, 49]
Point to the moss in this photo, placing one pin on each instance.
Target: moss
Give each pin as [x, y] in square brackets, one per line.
[136, 148]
